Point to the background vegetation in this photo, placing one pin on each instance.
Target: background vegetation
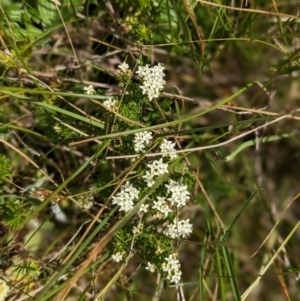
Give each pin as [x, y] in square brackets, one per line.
[231, 102]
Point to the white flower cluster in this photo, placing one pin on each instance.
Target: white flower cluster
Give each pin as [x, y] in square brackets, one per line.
[162, 206]
[179, 228]
[179, 193]
[144, 208]
[172, 267]
[89, 90]
[117, 257]
[152, 80]
[151, 267]
[136, 230]
[176, 195]
[168, 147]
[157, 168]
[125, 197]
[4, 289]
[141, 140]
[124, 70]
[110, 104]
[85, 202]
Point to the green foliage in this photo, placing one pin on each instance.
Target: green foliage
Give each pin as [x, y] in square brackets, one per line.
[34, 14]
[65, 132]
[71, 123]
[31, 270]
[13, 211]
[130, 108]
[138, 15]
[9, 59]
[153, 247]
[31, 23]
[139, 31]
[5, 168]
[136, 7]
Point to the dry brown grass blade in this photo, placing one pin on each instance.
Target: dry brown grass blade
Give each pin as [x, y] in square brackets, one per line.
[28, 159]
[96, 251]
[249, 10]
[67, 32]
[282, 282]
[199, 148]
[192, 17]
[277, 222]
[261, 112]
[266, 267]
[212, 207]
[103, 242]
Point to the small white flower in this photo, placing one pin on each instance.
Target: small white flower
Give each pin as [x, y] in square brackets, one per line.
[124, 66]
[171, 185]
[85, 202]
[117, 257]
[125, 74]
[179, 229]
[152, 80]
[168, 147]
[162, 206]
[125, 197]
[123, 200]
[149, 178]
[141, 140]
[171, 266]
[57, 128]
[89, 90]
[159, 250]
[151, 267]
[132, 191]
[176, 277]
[179, 193]
[110, 104]
[4, 289]
[135, 230]
[157, 167]
[144, 208]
